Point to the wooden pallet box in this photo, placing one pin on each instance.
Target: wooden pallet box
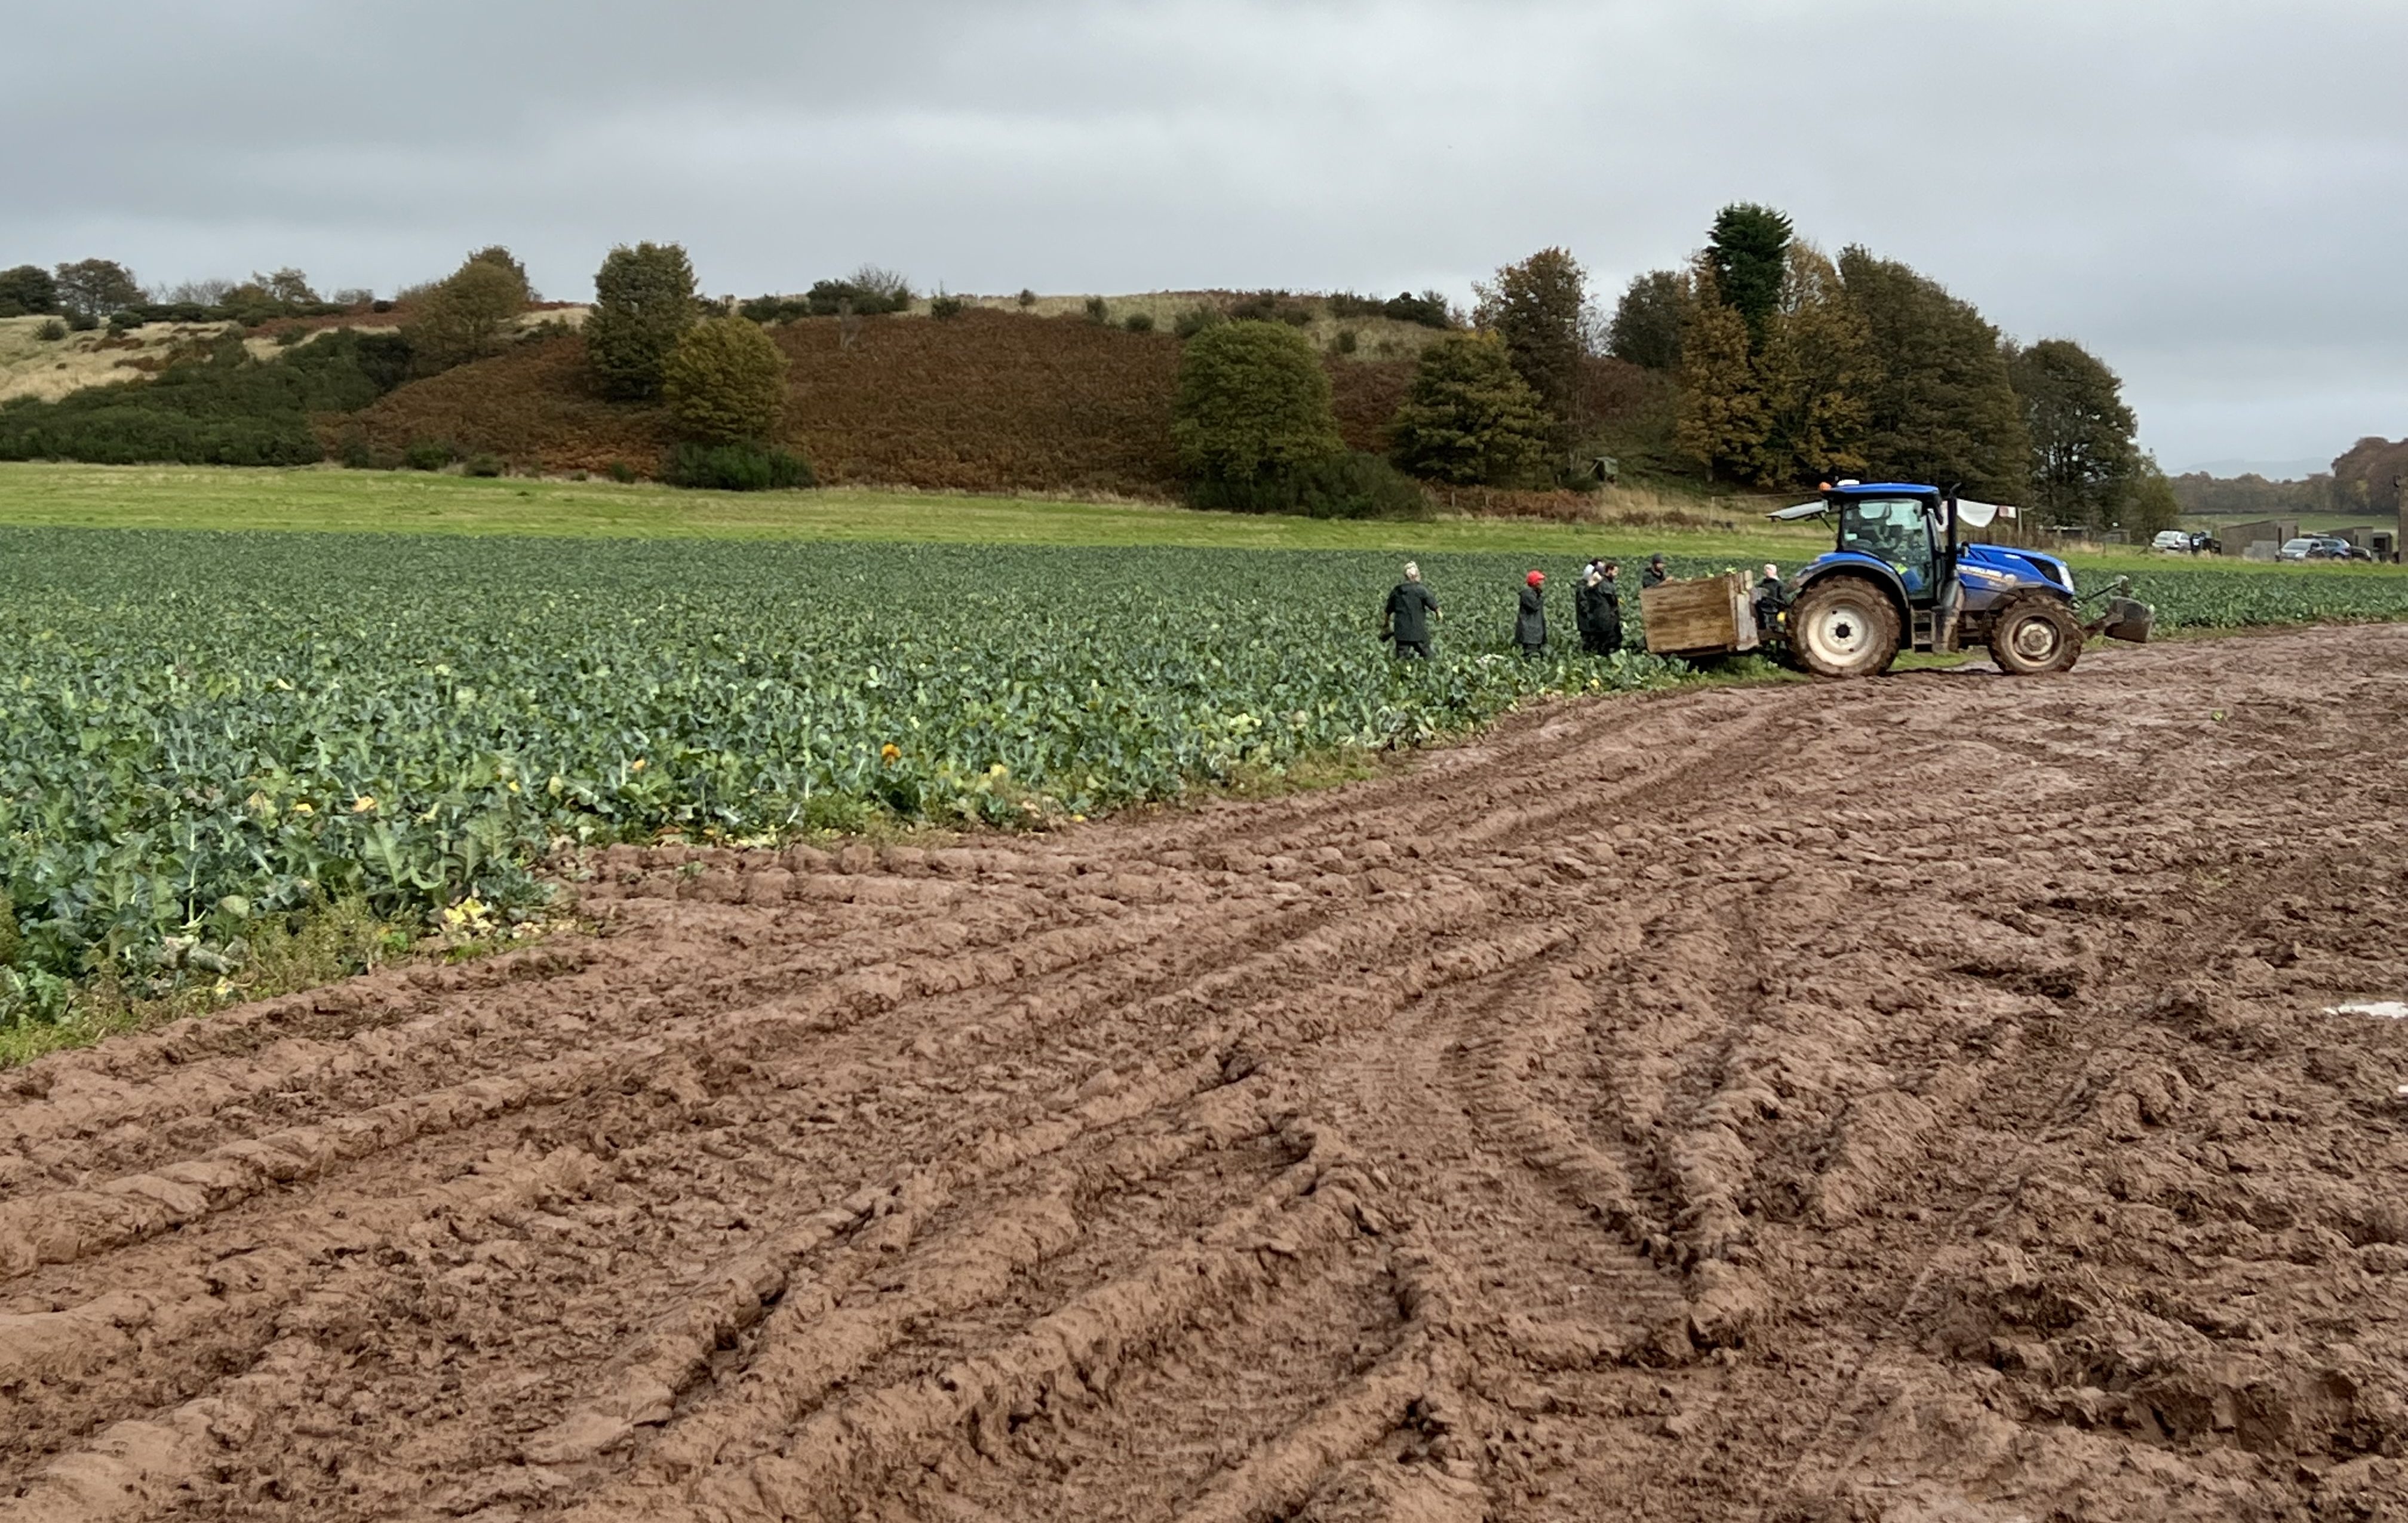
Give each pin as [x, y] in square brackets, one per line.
[1701, 616]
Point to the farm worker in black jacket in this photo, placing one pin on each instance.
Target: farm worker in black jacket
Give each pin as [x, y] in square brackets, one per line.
[1600, 608]
[1406, 619]
[1530, 622]
[1771, 597]
[1655, 574]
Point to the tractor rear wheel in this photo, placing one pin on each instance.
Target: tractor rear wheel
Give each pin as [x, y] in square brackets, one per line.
[1843, 627]
[2035, 635]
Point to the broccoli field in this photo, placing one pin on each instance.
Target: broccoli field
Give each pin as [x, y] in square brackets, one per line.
[197, 730]
[200, 730]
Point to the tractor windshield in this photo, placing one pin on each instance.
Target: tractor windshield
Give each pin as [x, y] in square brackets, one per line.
[1893, 530]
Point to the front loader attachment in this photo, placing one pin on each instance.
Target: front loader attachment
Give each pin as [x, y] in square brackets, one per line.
[2125, 620]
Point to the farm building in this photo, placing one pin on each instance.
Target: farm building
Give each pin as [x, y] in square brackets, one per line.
[2379, 540]
[2243, 539]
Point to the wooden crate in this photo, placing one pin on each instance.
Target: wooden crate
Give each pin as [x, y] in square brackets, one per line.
[1701, 616]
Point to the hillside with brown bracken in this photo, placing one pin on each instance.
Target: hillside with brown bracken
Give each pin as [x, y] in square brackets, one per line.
[987, 401]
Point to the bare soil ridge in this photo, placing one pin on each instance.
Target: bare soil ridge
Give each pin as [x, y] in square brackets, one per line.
[1907, 1099]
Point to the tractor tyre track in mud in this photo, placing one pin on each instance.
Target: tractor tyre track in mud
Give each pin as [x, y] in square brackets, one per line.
[1911, 1098]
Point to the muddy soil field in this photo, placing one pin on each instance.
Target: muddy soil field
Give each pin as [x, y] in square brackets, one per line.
[1913, 1100]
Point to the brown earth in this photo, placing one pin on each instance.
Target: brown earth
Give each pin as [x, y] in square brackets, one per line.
[1912, 1100]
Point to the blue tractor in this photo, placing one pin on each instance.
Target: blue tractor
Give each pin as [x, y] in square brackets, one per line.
[1901, 579]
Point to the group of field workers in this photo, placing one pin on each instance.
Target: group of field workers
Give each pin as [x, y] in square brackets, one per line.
[1596, 610]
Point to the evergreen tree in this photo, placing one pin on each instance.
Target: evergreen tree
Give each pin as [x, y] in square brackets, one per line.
[1749, 253]
[2085, 464]
[1723, 424]
[28, 291]
[1940, 409]
[725, 382]
[1470, 418]
[643, 303]
[1646, 327]
[1253, 401]
[1817, 366]
[1539, 309]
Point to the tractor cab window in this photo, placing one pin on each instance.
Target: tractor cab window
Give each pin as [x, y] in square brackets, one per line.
[1892, 530]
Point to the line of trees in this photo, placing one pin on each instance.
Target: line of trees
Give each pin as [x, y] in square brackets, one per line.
[1764, 363]
[1788, 367]
[86, 293]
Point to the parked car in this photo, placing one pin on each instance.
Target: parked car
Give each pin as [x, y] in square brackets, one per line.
[2175, 542]
[2306, 548]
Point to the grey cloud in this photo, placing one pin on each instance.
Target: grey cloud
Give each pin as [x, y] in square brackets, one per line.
[2203, 192]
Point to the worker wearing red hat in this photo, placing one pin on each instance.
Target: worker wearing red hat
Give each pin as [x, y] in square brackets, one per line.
[1530, 622]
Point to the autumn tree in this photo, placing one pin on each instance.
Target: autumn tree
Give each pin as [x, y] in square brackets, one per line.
[1538, 308]
[91, 290]
[1815, 366]
[2085, 463]
[1940, 408]
[1470, 418]
[210, 291]
[1748, 250]
[643, 303]
[1722, 422]
[725, 382]
[1646, 326]
[2367, 476]
[495, 254]
[470, 314]
[287, 287]
[1253, 400]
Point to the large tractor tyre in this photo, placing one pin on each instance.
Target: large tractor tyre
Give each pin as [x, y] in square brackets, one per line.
[2035, 635]
[1845, 626]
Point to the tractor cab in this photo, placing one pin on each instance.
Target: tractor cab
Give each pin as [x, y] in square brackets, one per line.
[1894, 529]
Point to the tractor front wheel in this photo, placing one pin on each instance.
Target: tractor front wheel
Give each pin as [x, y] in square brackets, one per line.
[2035, 635]
[1843, 627]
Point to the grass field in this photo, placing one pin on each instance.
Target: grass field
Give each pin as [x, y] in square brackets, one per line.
[328, 499]
[331, 501]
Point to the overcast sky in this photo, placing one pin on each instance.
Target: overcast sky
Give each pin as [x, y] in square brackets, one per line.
[2210, 194]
